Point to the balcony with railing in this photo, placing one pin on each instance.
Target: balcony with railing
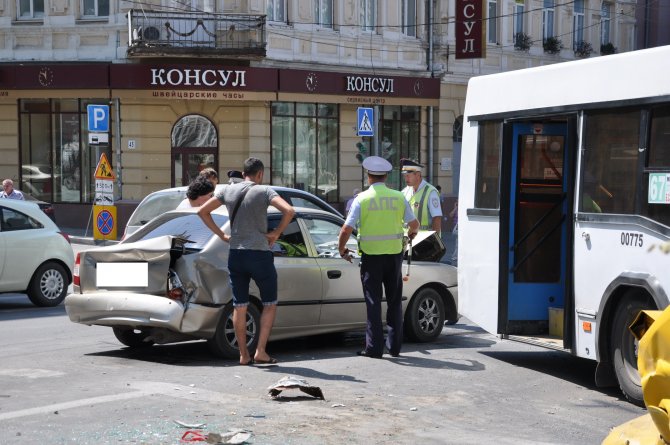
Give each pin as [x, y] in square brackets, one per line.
[186, 34]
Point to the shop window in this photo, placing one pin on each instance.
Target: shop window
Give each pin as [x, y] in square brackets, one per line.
[305, 147]
[57, 163]
[194, 147]
[399, 138]
[488, 165]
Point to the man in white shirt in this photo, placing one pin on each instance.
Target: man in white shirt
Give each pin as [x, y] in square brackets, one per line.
[9, 192]
[423, 197]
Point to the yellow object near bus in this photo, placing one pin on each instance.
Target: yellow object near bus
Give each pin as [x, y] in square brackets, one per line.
[652, 329]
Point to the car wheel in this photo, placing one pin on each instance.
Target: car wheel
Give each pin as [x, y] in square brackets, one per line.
[625, 349]
[450, 322]
[425, 316]
[132, 338]
[224, 342]
[48, 286]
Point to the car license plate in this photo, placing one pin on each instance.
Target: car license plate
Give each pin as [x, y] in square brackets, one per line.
[122, 275]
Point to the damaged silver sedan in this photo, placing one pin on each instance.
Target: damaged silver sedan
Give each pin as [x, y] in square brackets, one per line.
[168, 282]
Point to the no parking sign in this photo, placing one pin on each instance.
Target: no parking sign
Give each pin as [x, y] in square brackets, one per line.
[104, 222]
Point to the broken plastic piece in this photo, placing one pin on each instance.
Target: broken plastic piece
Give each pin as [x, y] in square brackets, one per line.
[295, 383]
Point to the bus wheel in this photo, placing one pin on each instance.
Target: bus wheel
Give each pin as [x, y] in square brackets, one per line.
[224, 342]
[624, 349]
[424, 318]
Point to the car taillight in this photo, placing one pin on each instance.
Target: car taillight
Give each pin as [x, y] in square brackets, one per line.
[66, 236]
[175, 288]
[75, 272]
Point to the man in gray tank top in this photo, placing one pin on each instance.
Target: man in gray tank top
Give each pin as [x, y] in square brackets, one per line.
[250, 255]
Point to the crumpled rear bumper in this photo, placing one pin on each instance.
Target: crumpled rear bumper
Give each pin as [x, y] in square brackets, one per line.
[124, 309]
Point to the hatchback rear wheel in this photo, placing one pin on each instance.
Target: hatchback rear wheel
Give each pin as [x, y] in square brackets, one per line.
[48, 285]
[224, 342]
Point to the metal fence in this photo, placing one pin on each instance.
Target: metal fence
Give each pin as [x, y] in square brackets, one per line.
[221, 33]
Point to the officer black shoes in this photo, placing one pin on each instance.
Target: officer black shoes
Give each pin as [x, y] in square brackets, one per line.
[365, 353]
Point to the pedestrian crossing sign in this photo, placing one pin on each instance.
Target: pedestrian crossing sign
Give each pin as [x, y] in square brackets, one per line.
[366, 121]
[104, 169]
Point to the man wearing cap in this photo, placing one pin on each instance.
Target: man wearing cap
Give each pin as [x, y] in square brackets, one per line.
[380, 213]
[423, 197]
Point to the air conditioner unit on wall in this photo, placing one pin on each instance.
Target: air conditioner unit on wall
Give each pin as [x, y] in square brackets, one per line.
[147, 33]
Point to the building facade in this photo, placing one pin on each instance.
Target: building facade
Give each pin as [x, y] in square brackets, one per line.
[209, 83]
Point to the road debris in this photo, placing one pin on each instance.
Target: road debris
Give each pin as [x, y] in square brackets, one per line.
[189, 425]
[289, 382]
[231, 437]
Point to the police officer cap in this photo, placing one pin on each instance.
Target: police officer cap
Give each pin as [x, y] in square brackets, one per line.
[376, 165]
[409, 166]
[235, 174]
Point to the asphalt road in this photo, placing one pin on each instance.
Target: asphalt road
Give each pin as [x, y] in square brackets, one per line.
[63, 383]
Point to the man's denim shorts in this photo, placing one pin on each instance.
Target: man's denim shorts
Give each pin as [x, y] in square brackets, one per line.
[245, 265]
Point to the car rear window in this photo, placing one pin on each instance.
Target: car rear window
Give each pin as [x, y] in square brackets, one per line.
[155, 205]
[189, 226]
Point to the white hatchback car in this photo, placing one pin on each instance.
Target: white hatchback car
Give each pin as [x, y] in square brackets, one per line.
[35, 256]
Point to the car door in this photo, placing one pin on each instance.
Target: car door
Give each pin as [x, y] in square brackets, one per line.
[298, 280]
[23, 246]
[343, 303]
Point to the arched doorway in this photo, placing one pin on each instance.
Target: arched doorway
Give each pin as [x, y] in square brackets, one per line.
[194, 147]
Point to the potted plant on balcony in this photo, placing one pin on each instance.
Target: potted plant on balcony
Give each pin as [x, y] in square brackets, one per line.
[552, 45]
[607, 48]
[522, 41]
[583, 49]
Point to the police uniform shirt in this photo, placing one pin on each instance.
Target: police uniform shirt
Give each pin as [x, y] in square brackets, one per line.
[434, 205]
[354, 215]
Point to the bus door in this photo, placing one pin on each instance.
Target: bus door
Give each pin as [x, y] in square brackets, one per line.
[537, 226]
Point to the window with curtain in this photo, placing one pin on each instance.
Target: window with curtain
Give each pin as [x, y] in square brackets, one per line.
[95, 8]
[548, 19]
[409, 17]
[368, 15]
[30, 9]
[305, 147]
[323, 13]
[519, 9]
[492, 22]
[578, 24]
[276, 10]
[605, 15]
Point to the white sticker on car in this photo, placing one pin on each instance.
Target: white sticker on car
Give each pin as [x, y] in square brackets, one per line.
[122, 274]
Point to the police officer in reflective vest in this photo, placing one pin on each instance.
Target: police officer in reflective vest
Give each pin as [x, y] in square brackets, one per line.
[379, 213]
[423, 197]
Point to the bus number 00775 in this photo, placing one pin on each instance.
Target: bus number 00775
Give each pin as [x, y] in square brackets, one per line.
[631, 239]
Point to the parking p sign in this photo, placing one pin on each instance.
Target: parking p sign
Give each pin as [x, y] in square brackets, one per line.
[98, 118]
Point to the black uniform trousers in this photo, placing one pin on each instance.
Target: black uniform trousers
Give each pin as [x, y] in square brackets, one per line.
[382, 272]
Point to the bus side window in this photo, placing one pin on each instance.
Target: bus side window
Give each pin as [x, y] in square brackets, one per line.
[488, 165]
